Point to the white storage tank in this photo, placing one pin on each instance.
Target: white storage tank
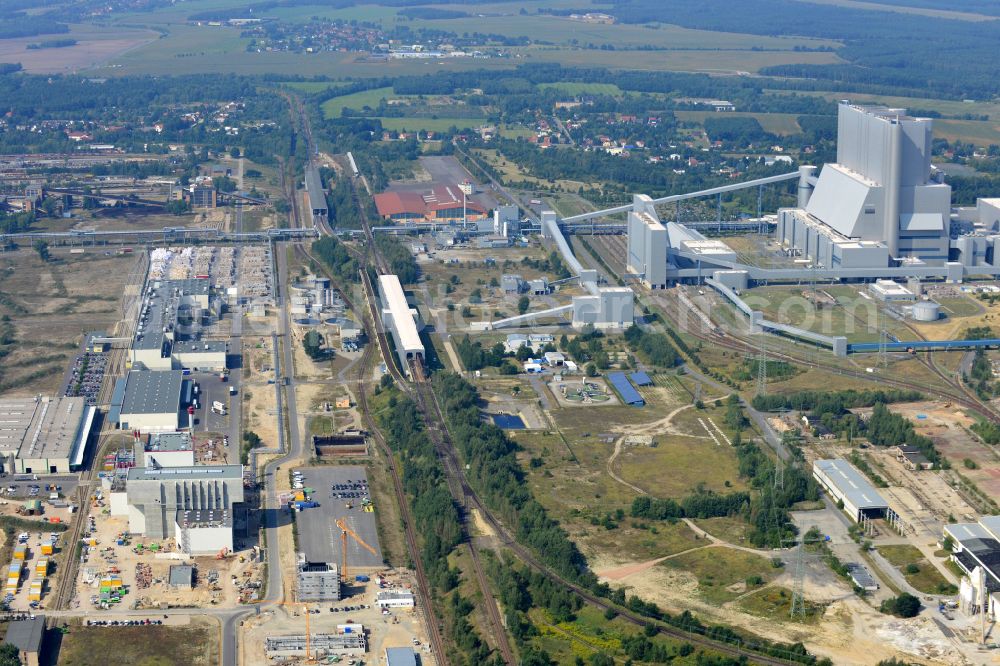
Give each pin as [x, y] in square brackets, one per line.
[926, 311]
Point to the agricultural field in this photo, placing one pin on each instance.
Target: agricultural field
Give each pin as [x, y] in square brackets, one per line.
[333, 108]
[47, 306]
[94, 46]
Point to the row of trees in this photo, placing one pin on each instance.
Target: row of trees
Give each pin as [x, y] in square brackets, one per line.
[655, 347]
[436, 519]
[401, 262]
[336, 259]
[833, 402]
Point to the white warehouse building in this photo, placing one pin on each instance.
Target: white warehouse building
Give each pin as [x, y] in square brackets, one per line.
[400, 320]
[846, 484]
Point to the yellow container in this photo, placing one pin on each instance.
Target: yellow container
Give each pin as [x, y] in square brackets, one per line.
[20, 552]
[47, 549]
[42, 567]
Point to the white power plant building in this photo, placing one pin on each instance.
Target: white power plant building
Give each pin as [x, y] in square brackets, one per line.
[400, 320]
[647, 244]
[880, 204]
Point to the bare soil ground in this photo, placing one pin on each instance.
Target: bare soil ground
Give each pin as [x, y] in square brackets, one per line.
[51, 305]
[94, 46]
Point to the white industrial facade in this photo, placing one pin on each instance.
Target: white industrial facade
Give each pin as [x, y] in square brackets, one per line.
[155, 496]
[204, 532]
[167, 449]
[395, 599]
[882, 190]
[647, 245]
[44, 435]
[400, 320]
[848, 485]
[976, 551]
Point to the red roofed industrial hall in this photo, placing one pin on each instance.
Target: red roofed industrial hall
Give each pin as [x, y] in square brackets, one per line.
[443, 203]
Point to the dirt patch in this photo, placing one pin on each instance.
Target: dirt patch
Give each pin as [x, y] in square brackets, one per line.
[94, 46]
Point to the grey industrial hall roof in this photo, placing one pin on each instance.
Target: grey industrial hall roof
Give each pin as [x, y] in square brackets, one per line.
[314, 188]
[400, 656]
[169, 441]
[625, 389]
[26, 635]
[161, 300]
[205, 346]
[185, 473]
[43, 428]
[851, 484]
[152, 392]
[195, 518]
[181, 574]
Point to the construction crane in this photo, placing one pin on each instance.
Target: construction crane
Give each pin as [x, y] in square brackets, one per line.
[344, 531]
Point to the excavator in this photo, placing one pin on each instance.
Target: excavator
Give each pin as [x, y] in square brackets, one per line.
[344, 531]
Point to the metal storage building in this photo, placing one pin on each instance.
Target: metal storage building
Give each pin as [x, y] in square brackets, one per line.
[847, 484]
[625, 389]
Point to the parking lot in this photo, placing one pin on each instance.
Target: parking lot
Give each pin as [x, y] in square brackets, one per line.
[35, 486]
[341, 492]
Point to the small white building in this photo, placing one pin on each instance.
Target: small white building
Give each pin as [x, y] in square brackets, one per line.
[395, 599]
[890, 291]
[555, 359]
[204, 532]
[165, 449]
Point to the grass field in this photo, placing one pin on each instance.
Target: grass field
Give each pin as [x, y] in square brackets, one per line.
[775, 603]
[959, 306]
[926, 579]
[657, 470]
[193, 645]
[775, 123]
[332, 108]
[722, 572]
[429, 124]
[979, 132]
[853, 316]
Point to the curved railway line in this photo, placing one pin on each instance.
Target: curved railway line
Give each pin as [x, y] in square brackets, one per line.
[466, 498]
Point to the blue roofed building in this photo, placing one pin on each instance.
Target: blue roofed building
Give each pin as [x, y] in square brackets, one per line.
[625, 390]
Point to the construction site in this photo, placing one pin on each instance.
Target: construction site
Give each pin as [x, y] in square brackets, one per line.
[122, 570]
